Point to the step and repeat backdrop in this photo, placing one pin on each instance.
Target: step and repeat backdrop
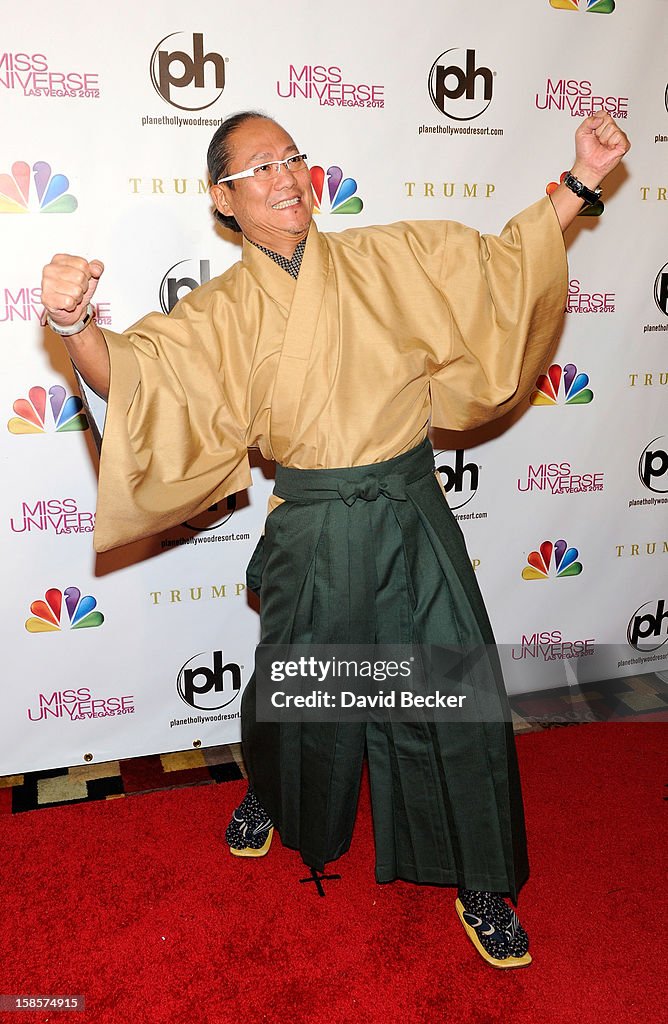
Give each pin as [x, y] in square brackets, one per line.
[440, 110]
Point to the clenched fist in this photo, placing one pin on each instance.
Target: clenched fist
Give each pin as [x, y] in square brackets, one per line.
[599, 146]
[68, 285]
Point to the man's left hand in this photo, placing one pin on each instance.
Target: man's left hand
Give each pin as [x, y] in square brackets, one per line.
[599, 146]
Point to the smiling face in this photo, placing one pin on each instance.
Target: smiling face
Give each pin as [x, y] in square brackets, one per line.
[275, 213]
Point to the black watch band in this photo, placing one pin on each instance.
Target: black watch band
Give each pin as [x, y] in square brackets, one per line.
[587, 195]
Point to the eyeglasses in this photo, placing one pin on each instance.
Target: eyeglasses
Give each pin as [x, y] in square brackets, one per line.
[263, 172]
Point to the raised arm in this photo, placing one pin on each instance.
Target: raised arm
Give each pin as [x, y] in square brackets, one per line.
[68, 286]
[599, 146]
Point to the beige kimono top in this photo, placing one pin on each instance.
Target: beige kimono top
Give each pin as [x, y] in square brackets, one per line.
[386, 330]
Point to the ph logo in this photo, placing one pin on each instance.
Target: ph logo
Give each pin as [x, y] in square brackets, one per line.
[173, 288]
[184, 73]
[215, 516]
[205, 688]
[460, 481]
[458, 88]
[661, 289]
[650, 627]
[653, 467]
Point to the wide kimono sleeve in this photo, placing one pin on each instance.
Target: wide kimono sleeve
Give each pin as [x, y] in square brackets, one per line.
[171, 446]
[506, 295]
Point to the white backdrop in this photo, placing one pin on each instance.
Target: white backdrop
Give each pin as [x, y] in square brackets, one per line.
[100, 156]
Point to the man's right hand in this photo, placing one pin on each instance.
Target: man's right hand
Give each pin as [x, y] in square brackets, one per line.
[68, 285]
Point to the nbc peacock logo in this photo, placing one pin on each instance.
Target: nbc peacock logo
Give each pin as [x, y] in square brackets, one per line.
[31, 412]
[54, 614]
[562, 387]
[41, 192]
[588, 6]
[552, 560]
[340, 196]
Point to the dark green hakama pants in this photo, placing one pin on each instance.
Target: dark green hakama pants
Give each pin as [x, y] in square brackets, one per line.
[368, 555]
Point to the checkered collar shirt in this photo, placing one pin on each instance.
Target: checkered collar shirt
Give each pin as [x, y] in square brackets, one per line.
[291, 266]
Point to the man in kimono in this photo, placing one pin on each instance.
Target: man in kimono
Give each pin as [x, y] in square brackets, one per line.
[333, 354]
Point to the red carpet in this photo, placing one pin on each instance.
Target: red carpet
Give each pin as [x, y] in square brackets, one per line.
[135, 904]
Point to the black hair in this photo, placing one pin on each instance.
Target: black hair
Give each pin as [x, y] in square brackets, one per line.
[219, 154]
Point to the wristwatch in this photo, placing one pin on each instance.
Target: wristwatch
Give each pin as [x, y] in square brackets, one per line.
[67, 332]
[587, 195]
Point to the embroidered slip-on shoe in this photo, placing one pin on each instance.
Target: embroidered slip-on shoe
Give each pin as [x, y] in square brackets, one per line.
[251, 851]
[493, 928]
[251, 830]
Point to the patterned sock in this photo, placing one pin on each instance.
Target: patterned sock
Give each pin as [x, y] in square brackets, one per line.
[497, 925]
[249, 826]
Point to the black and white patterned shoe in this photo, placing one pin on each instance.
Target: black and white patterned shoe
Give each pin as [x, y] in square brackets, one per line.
[250, 831]
[494, 928]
